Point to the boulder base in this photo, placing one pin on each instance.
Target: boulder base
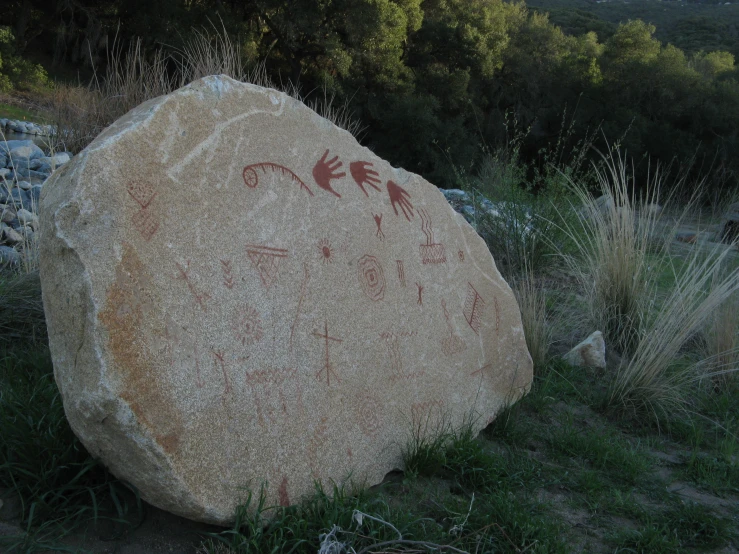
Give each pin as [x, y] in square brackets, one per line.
[237, 293]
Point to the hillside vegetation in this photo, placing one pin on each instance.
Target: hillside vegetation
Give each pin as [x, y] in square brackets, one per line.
[433, 82]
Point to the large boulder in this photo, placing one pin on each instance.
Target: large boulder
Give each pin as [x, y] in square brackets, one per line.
[237, 293]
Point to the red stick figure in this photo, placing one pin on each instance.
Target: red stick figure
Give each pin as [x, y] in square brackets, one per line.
[364, 176]
[420, 294]
[325, 171]
[398, 195]
[378, 222]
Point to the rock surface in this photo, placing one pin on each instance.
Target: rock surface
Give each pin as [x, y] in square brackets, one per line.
[591, 352]
[259, 298]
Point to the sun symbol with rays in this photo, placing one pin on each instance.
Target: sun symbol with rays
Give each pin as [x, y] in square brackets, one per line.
[327, 252]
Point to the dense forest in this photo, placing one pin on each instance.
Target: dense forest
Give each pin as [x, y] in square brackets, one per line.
[438, 84]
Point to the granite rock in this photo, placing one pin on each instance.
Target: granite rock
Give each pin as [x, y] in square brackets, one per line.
[258, 298]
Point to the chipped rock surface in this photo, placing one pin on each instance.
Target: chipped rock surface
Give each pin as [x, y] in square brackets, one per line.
[260, 299]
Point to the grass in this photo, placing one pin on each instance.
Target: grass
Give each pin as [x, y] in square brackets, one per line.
[42, 463]
[10, 111]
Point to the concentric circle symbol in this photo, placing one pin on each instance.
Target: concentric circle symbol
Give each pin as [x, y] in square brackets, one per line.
[371, 277]
[369, 412]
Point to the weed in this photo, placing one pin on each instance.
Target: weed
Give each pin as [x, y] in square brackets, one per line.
[717, 474]
[602, 449]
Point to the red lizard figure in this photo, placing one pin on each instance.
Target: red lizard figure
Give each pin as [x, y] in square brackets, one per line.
[325, 171]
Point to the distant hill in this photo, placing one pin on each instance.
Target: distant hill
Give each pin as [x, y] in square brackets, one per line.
[691, 26]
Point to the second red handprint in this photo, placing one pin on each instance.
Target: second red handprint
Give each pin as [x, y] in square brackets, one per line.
[325, 171]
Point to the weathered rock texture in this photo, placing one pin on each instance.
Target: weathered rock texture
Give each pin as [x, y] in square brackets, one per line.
[237, 292]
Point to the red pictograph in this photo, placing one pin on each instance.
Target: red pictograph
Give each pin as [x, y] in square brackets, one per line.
[266, 260]
[327, 367]
[371, 277]
[200, 297]
[392, 346]
[327, 251]
[143, 193]
[461, 255]
[306, 276]
[362, 175]
[420, 294]
[228, 277]
[452, 344]
[401, 272]
[378, 223]
[268, 391]
[431, 252]
[423, 410]
[482, 370]
[144, 220]
[251, 174]
[369, 414]
[247, 326]
[282, 493]
[146, 223]
[399, 197]
[473, 305]
[325, 171]
[220, 363]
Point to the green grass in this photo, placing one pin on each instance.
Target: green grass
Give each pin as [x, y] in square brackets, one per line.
[59, 485]
[9, 111]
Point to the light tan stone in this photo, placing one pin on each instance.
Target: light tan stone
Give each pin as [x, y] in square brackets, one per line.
[237, 292]
[591, 352]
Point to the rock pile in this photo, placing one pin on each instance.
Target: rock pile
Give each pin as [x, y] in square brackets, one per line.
[258, 298]
[26, 127]
[24, 167]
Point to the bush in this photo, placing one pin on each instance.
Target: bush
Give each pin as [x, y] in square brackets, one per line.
[16, 72]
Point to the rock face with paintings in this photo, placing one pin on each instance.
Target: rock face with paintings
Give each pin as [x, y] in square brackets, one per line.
[238, 293]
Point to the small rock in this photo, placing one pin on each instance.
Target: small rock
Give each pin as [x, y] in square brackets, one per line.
[4, 173]
[29, 151]
[9, 256]
[7, 216]
[591, 352]
[56, 160]
[687, 237]
[11, 236]
[25, 185]
[27, 218]
[653, 209]
[455, 194]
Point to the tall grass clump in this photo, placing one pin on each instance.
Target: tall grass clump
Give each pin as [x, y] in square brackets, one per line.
[721, 343]
[537, 329]
[623, 249]
[80, 112]
[619, 242]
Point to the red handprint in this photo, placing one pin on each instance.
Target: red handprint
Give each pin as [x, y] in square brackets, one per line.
[324, 172]
[399, 195]
[364, 176]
